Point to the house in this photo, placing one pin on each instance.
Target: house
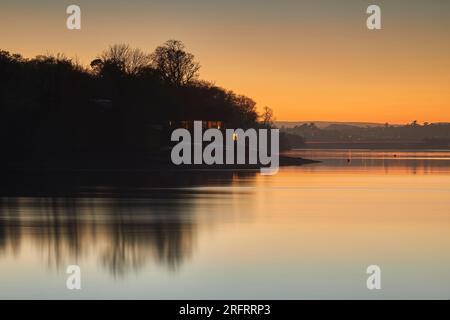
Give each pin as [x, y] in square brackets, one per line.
[189, 124]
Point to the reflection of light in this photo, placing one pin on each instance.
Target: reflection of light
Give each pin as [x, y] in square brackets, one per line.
[235, 137]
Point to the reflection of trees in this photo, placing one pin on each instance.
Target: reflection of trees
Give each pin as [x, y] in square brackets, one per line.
[124, 233]
[158, 231]
[10, 234]
[58, 230]
[121, 231]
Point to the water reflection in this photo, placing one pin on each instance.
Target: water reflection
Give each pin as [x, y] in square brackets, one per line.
[307, 232]
[379, 161]
[158, 224]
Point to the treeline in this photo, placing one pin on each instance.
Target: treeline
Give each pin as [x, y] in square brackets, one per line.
[52, 104]
[427, 134]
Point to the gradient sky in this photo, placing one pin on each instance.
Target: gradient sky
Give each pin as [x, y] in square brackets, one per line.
[307, 59]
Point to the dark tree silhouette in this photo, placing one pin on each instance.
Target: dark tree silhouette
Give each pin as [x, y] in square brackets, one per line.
[53, 110]
[122, 58]
[267, 117]
[175, 65]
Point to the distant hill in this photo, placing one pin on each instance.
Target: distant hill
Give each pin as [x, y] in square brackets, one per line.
[370, 135]
[325, 124]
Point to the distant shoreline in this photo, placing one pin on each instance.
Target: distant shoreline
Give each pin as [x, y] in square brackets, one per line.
[372, 146]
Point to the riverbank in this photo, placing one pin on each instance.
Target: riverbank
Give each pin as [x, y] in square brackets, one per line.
[125, 162]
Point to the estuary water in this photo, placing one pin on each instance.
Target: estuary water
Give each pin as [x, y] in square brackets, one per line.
[309, 232]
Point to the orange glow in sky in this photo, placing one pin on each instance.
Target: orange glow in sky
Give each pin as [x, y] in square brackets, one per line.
[306, 61]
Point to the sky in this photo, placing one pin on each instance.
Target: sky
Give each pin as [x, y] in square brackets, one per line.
[306, 59]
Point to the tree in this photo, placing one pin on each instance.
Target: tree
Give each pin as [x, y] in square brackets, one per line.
[245, 108]
[123, 59]
[175, 66]
[267, 117]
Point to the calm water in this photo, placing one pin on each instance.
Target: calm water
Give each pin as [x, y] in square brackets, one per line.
[308, 232]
